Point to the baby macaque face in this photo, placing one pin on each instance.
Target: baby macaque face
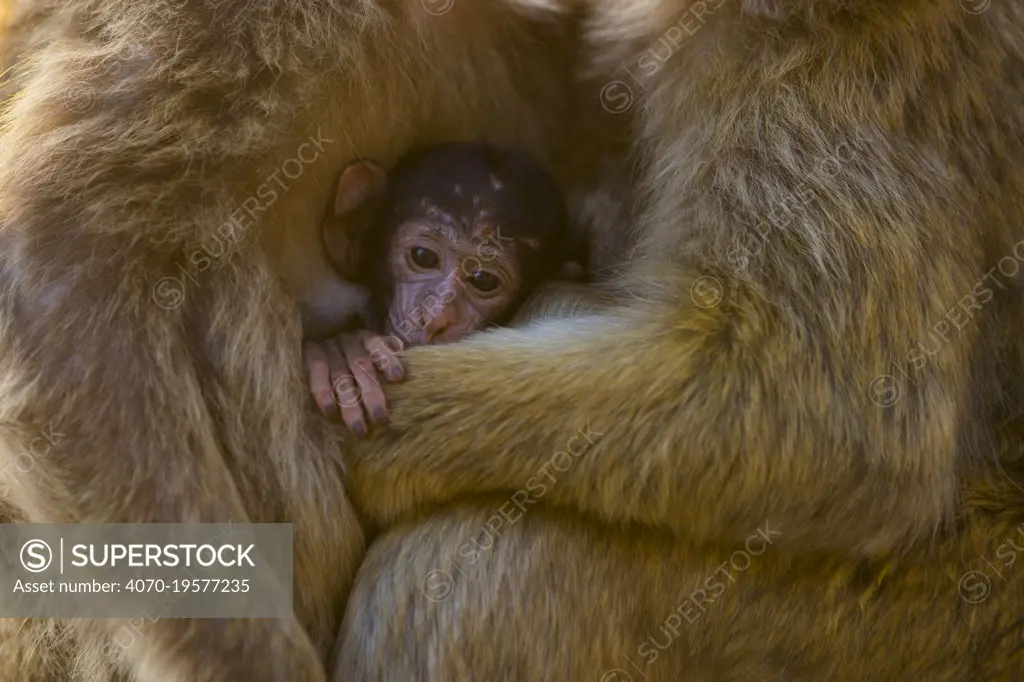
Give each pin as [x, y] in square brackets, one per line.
[452, 275]
[448, 242]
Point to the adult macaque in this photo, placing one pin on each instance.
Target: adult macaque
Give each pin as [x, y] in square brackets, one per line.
[138, 131]
[449, 242]
[798, 457]
[747, 498]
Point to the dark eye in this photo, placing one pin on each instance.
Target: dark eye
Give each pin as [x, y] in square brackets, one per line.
[484, 281]
[424, 258]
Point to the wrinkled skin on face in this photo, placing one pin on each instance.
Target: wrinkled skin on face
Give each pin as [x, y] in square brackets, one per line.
[448, 244]
[447, 283]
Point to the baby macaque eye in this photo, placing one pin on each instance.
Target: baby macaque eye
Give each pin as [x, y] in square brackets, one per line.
[484, 281]
[424, 258]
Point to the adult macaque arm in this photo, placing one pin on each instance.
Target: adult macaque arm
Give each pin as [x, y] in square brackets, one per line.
[763, 361]
[493, 413]
[705, 421]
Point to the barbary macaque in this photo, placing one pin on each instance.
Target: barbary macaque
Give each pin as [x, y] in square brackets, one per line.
[117, 163]
[730, 396]
[448, 243]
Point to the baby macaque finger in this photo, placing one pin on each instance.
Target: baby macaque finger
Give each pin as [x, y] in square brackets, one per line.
[318, 371]
[346, 390]
[384, 357]
[361, 366]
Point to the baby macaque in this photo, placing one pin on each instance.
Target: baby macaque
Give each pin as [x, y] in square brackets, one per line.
[449, 242]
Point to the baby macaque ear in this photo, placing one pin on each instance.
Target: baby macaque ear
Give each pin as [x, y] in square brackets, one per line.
[360, 187]
[356, 201]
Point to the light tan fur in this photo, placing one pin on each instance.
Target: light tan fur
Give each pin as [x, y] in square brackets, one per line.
[712, 412]
[135, 131]
[734, 392]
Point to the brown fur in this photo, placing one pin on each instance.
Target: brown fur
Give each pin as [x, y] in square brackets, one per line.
[715, 419]
[25, 26]
[752, 403]
[136, 129]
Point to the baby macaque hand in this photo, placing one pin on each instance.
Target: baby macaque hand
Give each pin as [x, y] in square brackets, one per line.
[343, 371]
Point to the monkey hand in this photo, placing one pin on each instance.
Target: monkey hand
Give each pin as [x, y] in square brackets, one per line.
[343, 373]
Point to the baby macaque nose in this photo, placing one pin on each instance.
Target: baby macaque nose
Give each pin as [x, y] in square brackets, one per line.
[441, 325]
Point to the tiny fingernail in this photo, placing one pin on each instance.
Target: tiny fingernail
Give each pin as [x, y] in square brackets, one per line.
[380, 414]
[360, 429]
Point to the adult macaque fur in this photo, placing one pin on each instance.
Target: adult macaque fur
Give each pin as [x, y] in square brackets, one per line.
[825, 183]
[137, 131]
[715, 422]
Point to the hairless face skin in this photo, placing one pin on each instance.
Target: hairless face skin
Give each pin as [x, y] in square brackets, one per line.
[449, 242]
[451, 275]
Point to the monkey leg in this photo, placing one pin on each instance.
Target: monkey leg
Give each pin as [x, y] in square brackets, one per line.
[517, 583]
